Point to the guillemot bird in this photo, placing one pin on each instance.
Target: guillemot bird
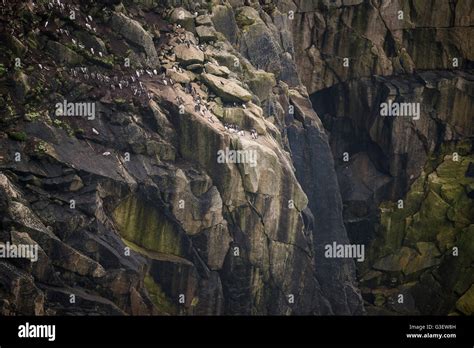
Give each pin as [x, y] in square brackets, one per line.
[187, 88]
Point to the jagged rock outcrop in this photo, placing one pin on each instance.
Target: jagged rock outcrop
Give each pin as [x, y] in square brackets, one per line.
[409, 161]
[228, 90]
[352, 56]
[132, 206]
[132, 31]
[378, 38]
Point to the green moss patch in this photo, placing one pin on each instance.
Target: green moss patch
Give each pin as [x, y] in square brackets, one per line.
[158, 297]
[143, 224]
[18, 136]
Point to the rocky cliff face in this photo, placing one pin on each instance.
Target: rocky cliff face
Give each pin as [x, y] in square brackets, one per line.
[130, 206]
[357, 56]
[422, 167]
[378, 37]
[136, 206]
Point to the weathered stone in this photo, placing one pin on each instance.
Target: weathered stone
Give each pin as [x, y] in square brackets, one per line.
[63, 54]
[178, 76]
[223, 18]
[206, 33]
[217, 70]
[396, 262]
[226, 89]
[315, 171]
[262, 83]
[182, 17]
[204, 20]
[16, 45]
[245, 119]
[466, 303]
[21, 291]
[134, 32]
[189, 55]
[147, 227]
[428, 257]
[247, 16]
[213, 244]
[92, 41]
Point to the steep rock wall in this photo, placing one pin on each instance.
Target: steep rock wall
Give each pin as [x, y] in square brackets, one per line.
[132, 210]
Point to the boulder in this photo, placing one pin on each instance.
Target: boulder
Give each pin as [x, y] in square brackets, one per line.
[206, 33]
[217, 70]
[224, 58]
[189, 55]
[182, 17]
[246, 16]
[63, 54]
[223, 18]
[204, 20]
[177, 76]
[262, 83]
[244, 118]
